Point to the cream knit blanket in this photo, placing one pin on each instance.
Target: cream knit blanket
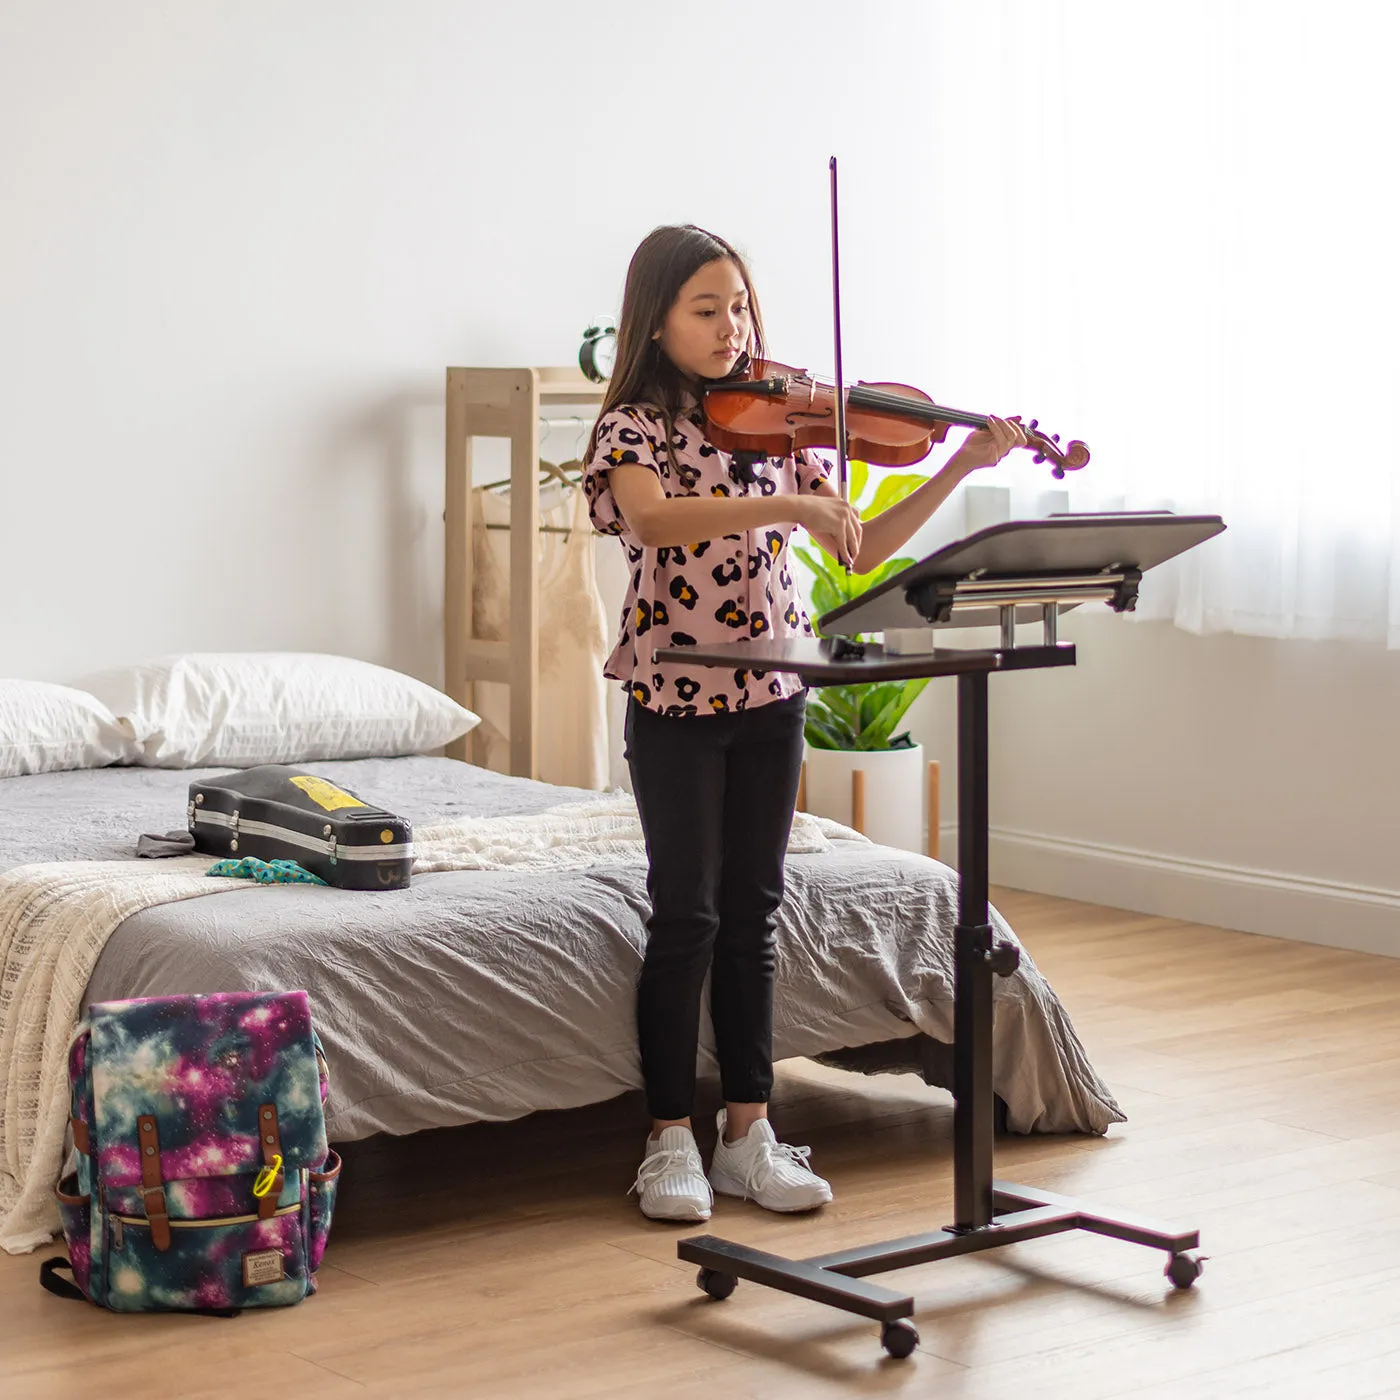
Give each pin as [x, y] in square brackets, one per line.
[571, 837]
[56, 918]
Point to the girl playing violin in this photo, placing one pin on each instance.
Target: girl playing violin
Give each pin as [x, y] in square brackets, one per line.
[715, 756]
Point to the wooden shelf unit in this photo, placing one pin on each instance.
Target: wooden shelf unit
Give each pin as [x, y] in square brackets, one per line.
[500, 403]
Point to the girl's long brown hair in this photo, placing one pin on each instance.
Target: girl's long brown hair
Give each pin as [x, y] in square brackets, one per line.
[665, 260]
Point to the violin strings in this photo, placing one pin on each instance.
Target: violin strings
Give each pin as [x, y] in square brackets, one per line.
[877, 398]
[896, 403]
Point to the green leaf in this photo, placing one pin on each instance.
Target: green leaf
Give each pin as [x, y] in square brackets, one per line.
[877, 734]
[840, 704]
[865, 582]
[826, 595]
[874, 700]
[821, 733]
[824, 568]
[817, 560]
[858, 477]
[891, 490]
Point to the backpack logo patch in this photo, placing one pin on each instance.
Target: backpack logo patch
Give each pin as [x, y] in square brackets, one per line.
[263, 1266]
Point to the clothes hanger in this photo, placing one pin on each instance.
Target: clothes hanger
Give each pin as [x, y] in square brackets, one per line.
[559, 473]
[574, 466]
[549, 469]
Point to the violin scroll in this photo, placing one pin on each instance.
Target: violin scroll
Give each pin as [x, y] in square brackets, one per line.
[1070, 458]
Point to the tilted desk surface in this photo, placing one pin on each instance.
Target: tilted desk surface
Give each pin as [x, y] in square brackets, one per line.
[811, 658]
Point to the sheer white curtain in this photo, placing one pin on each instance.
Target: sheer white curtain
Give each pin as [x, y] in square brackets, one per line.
[1169, 229]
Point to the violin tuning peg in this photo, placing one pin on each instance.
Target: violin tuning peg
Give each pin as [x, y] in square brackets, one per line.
[1058, 473]
[1039, 457]
[1054, 437]
[1035, 423]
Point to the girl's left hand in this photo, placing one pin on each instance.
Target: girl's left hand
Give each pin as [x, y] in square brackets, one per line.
[987, 446]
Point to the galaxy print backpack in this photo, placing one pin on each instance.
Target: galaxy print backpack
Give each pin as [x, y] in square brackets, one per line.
[203, 1182]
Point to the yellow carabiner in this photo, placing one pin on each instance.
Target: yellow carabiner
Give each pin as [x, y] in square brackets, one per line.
[267, 1176]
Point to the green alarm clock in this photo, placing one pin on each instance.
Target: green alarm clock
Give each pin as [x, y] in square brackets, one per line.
[599, 350]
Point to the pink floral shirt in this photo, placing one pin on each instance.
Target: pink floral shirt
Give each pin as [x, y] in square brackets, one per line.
[714, 591]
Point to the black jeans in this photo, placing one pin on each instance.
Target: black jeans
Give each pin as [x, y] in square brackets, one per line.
[715, 794]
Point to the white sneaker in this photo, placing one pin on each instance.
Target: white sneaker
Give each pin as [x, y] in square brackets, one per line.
[671, 1181]
[760, 1168]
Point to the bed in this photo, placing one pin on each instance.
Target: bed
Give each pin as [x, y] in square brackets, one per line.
[490, 994]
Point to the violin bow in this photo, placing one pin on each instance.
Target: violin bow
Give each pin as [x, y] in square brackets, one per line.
[841, 466]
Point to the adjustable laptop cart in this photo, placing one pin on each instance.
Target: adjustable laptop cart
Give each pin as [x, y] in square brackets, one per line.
[1021, 571]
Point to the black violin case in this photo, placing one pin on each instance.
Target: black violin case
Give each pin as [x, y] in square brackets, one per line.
[276, 812]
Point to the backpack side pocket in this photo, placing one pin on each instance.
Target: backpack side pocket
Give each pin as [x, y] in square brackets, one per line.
[321, 1194]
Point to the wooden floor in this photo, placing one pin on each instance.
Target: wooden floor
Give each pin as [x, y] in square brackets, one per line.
[1261, 1080]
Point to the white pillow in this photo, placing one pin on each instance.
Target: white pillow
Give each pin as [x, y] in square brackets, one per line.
[241, 709]
[45, 727]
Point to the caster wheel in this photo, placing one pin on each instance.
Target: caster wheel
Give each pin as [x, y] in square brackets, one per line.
[718, 1285]
[899, 1338]
[1184, 1269]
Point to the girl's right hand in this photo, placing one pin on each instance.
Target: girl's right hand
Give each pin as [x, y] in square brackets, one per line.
[835, 521]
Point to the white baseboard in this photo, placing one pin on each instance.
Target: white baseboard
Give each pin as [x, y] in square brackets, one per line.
[1363, 919]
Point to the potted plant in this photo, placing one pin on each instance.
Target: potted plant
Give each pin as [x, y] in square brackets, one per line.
[856, 728]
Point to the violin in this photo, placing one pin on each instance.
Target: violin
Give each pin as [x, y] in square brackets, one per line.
[774, 409]
[769, 409]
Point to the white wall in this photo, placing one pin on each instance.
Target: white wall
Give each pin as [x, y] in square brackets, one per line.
[1238, 781]
[240, 243]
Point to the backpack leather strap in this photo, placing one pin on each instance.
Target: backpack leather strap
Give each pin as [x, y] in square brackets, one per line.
[152, 1187]
[270, 1136]
[81, 1141]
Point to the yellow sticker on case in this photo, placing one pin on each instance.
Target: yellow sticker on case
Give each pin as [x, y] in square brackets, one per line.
[325, 794]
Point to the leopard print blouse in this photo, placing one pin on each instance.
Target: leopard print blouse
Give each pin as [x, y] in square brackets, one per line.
[718, 590]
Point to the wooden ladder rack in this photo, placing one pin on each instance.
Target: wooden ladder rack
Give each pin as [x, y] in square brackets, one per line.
[500, 403]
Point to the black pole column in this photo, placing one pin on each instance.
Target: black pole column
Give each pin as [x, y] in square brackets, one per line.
[974, 1113]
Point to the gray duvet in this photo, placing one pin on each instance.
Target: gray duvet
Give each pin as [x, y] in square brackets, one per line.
[480, 995]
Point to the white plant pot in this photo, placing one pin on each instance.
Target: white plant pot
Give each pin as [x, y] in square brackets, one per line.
[894, 791]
